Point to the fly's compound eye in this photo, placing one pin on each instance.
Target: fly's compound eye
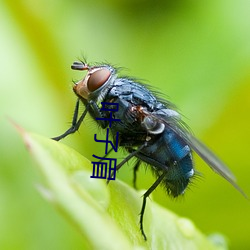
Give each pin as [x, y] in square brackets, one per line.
[97, 79]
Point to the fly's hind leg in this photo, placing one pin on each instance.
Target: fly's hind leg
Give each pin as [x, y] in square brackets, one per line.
[136, 167]
[145, 196]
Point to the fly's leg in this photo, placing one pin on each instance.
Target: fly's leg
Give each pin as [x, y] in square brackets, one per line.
[75, 123]
[145, 196]
[128, 158]
[132, 154]
[136, 167]
[109, 151]
[98, 114]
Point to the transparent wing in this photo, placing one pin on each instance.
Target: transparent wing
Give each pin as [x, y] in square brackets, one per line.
[208, 156]
[175, 124]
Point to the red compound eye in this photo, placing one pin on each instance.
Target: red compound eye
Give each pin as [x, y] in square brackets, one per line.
[97, 79]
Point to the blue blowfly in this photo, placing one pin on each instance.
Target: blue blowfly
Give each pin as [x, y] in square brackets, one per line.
[150, 129]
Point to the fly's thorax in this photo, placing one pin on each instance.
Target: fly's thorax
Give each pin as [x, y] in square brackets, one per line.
[94, 85]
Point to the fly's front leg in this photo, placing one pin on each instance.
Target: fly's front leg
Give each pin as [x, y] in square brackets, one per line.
[98, 114]
[75, 123]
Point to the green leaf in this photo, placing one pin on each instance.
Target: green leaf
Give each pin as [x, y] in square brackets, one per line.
[107, 215]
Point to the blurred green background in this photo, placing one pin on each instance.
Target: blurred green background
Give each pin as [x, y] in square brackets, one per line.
[196, 52]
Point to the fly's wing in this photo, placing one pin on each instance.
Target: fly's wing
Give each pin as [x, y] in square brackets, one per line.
[212, 160]
[175, 124]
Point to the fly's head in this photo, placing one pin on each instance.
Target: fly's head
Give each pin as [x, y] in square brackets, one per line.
[93, 85]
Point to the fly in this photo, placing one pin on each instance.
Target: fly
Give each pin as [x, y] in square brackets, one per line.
[150, 129]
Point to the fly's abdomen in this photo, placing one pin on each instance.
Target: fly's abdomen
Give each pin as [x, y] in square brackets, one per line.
[180, 166]
[178, 176]
[168, 153]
